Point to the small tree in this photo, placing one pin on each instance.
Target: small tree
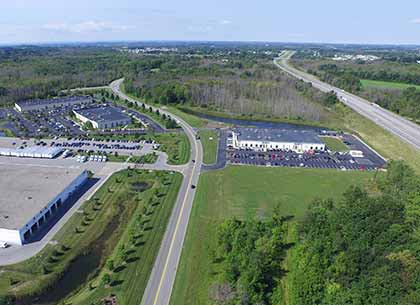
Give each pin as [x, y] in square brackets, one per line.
[110, 265]
[106, 279]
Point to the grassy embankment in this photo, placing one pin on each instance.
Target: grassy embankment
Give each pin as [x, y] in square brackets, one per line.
[128, 278]
[118, 201]
[175, 145]
[331, 121]
[244, 192]
[388, 145]
[209, 139]
[368, 83]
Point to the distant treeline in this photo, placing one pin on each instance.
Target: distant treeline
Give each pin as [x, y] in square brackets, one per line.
[43, 72]
[247, 85]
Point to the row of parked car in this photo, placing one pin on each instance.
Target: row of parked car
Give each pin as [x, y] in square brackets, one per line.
[92, 158]
[116, 146]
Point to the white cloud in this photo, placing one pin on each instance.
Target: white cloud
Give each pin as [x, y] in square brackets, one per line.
[416, 21]
[86, 27]
[225, 22]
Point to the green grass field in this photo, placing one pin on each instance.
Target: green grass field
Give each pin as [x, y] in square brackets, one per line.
[209, 140]
[244, 192]
[176, 145]
[193, 120]
[367, 83]
[334, 144]
[129, 278]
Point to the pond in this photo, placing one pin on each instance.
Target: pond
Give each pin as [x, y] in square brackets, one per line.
[258, 124]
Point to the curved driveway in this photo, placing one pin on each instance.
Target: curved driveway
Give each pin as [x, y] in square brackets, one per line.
[159, 288]
[399, 126]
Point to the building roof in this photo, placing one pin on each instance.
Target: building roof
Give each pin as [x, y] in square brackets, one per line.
[45, 102]
[102, 114]
[278, 135]
[26, 190]
[31, 151]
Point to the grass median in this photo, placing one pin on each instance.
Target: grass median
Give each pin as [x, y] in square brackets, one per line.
[209, 139]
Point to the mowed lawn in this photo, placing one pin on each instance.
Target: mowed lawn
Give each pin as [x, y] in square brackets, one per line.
[245, 192]
[209, 139]
[366, 83]
[334, 144]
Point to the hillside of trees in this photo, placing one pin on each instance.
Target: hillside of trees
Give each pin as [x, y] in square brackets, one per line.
[242, 85]
[363, 249]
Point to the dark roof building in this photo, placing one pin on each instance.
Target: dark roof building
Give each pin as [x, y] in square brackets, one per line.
[44, 104]
[103, 117]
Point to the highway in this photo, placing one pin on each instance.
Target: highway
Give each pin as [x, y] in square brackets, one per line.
[159, 288]
[397, 125]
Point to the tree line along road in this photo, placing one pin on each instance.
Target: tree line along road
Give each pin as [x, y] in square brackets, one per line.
[159, 288]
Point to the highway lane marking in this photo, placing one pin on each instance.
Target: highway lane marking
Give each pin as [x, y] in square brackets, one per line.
[176, 228]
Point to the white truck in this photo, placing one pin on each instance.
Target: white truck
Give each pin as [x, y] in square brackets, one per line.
[356, 153]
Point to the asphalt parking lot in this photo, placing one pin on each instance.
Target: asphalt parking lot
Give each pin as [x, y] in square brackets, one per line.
[292, 159]
[323, 159]
[57, 123]
[122, 147]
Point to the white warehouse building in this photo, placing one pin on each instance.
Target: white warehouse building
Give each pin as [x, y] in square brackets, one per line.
[33, 197]
[276, 139]
[31, 152]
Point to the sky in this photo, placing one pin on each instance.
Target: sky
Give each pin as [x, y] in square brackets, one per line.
[325, 21]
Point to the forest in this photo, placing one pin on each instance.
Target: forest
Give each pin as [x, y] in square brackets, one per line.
[235, 80]
[40, 72]
[251, 254]
[363, 249]
[241, 85]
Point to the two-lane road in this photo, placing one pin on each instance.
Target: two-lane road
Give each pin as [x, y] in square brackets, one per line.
[397, 125]
[162, 278]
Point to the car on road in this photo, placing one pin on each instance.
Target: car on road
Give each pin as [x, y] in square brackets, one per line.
[192, 186]
[3, 245]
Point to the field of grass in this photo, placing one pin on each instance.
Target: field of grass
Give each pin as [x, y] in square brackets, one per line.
[193, 120]
[116, 201]
[128, 277]
[334, 144]
[245, 192]
[366, 83]
[145, 159]
[176, 145]
[209, 139]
